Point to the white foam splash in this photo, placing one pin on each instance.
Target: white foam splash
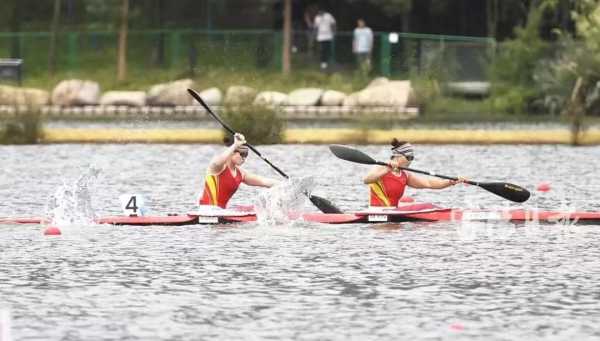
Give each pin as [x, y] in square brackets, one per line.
[71, 204]
[283, 203]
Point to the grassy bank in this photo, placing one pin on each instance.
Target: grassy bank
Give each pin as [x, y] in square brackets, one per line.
[261, 79]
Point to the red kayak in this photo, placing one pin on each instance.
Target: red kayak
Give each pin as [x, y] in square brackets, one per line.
[410, 213]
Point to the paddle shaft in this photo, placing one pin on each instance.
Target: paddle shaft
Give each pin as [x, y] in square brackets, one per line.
[230, 130]
[429, 173]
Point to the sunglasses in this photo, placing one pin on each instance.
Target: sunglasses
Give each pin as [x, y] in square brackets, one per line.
[243, 154]
[408, 157]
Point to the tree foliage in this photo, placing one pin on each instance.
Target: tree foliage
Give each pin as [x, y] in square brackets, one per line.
[391, 7]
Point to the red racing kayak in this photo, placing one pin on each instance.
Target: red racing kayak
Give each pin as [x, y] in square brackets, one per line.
[410, 213]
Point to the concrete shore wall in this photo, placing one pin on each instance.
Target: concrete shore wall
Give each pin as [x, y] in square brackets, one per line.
[325, 136]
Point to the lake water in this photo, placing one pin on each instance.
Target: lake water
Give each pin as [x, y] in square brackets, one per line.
[443, 281]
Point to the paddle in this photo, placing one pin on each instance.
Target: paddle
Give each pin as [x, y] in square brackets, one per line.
[322, 204]
[506, 190]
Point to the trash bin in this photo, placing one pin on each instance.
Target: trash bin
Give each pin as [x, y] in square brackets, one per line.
[11, 69]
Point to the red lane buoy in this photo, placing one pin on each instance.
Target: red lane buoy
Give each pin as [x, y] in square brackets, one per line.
[52, 231]
[407, 199]
[544, 187]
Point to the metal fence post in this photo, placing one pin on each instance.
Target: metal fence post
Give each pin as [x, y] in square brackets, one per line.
[385, 57]
[332, 52]
[175, 38]
[72, 52]
[278, 44]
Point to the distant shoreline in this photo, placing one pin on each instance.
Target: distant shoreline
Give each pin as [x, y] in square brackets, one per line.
[324, 136]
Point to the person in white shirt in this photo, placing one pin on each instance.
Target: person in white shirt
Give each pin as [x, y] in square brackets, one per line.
[362, 45]
[325, 27]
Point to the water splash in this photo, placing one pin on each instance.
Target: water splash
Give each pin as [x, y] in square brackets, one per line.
[71, 204]
[283, 203]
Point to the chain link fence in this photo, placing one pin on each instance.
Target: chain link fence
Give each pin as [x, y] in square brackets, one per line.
[397, 55]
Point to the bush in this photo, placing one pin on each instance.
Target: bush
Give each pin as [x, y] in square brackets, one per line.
[259, 124]
[26, 128]
[514, 88]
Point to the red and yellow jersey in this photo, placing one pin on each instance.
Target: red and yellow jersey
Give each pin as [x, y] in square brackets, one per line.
[218, 189]
[388, 190]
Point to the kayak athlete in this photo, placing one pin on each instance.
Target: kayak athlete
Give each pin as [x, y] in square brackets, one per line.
[387, 183]
[224, 174]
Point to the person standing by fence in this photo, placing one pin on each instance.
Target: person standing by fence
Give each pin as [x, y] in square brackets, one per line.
[362, 45]
[325, 27]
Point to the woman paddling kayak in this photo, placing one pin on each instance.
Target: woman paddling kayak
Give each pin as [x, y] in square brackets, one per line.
[387, 183]
[224, 174]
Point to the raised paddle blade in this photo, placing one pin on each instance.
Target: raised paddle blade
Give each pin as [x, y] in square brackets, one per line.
[352, 155]
[323, 204]
[508, 191]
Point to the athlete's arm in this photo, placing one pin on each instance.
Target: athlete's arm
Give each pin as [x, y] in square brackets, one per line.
[415, 181]
[255, 180]
[375, 174]
[219, 161]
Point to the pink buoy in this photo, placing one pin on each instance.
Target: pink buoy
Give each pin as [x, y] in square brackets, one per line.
[52, 231]
[457, 327]
[544, 187]
[407, 199]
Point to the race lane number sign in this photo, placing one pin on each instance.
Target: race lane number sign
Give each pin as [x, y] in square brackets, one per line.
[133, 205]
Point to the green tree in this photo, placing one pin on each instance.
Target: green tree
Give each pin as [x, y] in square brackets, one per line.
[513, 73]
[393, 8]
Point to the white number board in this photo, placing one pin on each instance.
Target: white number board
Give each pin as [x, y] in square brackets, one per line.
[133, 205]
[378, 217]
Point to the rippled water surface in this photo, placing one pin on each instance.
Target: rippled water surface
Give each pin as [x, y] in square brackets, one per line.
[298, 281]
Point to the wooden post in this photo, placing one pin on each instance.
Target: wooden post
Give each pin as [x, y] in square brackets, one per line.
[287, 37]
[122, 48]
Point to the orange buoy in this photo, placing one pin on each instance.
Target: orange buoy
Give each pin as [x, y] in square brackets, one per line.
[544, 187]
[52, 231]
[407, 199]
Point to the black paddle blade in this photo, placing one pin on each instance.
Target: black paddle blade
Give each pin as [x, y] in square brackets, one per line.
[351, 154]
[324, 205]
[508, 191]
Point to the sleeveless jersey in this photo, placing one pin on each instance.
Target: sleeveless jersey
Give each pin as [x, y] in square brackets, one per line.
[218, 189]
[388, 190]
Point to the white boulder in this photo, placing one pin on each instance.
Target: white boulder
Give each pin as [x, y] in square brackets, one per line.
[74, 92]
[212, 96]
[171, 94]
[332, 98]
[391, 93]
[305, 97]
[29, 97]
[271, 98]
